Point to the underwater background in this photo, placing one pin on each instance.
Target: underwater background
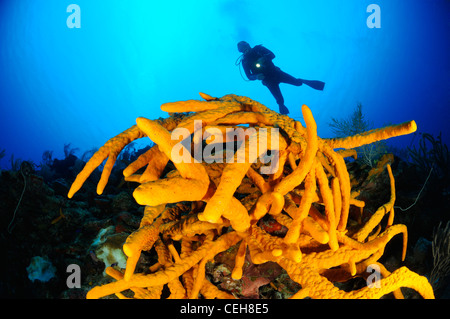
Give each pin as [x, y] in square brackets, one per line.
[61, 85]
[64, 91]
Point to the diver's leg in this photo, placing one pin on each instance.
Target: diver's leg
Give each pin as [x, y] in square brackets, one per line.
[283, 109]
[283, 77]
[274, 88]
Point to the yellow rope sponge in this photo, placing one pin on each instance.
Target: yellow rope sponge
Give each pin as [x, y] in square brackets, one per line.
[240, 162]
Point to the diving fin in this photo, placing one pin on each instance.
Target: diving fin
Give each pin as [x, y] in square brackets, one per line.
[283, 109]
[318, 85]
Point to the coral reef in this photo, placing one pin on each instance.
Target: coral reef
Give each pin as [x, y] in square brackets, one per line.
[437, 155]
[441, 257]
[195, 210]
[25, 170]
[356, 123]
[426, 182]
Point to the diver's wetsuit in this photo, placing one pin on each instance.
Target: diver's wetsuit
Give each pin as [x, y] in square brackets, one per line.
[258, 61]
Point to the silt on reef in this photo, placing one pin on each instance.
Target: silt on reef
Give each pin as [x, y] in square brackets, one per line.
[202, 208]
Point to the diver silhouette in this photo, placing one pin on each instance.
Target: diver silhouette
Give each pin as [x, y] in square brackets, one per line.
[257, 64]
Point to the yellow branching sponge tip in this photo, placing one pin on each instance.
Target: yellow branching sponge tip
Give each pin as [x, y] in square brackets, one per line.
[211, 198]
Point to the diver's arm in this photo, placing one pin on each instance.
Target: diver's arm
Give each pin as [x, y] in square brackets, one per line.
[247, 71]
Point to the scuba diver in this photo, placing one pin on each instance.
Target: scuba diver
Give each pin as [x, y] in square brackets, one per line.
[257, 64]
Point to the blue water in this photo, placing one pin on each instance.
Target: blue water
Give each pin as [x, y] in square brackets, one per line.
[82, 86]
